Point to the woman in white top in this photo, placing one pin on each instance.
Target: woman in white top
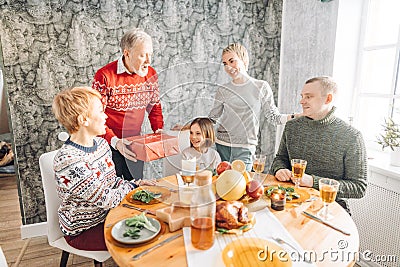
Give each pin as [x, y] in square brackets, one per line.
[202, 137]
[240, 106]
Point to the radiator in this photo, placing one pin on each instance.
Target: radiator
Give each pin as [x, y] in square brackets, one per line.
[377, 217]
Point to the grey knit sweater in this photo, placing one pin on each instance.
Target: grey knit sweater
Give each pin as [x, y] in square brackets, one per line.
[332, 148]
[240, 108]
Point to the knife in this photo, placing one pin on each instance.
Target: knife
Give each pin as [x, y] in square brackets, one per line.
[324, 222]
[139, 209]
[150, 249]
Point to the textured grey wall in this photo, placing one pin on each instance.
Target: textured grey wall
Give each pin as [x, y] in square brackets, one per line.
[4, 120]
[49, 45]
[308, 47]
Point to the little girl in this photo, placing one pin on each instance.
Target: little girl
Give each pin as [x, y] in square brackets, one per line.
[201, 139]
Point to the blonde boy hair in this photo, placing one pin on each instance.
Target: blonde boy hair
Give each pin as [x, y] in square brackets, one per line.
[70, 103]
[240, 51]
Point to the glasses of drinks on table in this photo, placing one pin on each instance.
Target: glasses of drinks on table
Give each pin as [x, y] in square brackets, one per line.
[328, 189]
[298, 169]
[188, 170]
[258, 166]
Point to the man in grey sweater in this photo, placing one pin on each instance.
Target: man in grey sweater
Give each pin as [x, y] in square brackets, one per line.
[333, 149]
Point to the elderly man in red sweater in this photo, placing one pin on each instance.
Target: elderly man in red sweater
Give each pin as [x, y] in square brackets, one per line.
[129, 88]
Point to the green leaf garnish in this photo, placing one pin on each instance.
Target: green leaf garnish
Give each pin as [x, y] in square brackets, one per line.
[290, 192]
[145, 196]
[132, 232]
[222, 230]
[244, 227]
[140, 221]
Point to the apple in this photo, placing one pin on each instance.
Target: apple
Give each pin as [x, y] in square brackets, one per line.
[223, 166]
[254, 189]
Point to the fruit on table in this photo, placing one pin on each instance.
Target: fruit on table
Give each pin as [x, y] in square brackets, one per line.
[254, 189]
[223, 166]
[231, 185]
[214, 182]
[247, 176]
[238, 165]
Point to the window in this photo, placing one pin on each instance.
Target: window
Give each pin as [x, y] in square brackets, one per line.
[377, 81]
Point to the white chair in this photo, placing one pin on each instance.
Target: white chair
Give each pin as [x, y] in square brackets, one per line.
[54, 235]
[3, 262]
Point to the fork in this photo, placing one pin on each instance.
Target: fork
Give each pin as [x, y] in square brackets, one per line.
[283, 242]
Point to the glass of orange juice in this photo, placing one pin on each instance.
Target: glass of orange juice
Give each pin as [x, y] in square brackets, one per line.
[258, 165]
[298, 169]
[328, 189]
[189, 168]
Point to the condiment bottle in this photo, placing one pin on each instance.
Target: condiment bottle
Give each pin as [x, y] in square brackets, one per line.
[202, 212]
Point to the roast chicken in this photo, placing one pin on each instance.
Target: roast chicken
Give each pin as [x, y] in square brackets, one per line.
[231, 214]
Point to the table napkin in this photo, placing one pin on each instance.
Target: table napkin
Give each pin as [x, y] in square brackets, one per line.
[266, 226]
[179, 179]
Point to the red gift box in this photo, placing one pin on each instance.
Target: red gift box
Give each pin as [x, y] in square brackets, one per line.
[150, 147]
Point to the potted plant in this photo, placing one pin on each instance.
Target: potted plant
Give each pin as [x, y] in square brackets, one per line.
[391, 138]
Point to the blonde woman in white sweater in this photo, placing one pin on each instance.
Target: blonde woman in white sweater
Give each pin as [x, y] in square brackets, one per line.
[240, 106]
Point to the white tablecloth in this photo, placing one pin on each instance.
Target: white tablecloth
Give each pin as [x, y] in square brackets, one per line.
[266, 226]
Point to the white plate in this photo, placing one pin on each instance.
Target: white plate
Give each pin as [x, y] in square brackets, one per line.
[118, 230]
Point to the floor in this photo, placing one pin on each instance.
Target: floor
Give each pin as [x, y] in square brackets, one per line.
[32, 251]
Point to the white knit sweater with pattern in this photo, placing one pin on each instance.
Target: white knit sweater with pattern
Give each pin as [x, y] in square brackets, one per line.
[87, 185]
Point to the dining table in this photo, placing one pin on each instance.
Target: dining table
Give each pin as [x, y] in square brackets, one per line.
[328, 246]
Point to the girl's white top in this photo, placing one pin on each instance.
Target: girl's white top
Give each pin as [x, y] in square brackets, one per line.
[207, 160]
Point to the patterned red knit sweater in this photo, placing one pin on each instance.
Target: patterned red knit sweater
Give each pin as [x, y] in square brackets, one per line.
[126, 98]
